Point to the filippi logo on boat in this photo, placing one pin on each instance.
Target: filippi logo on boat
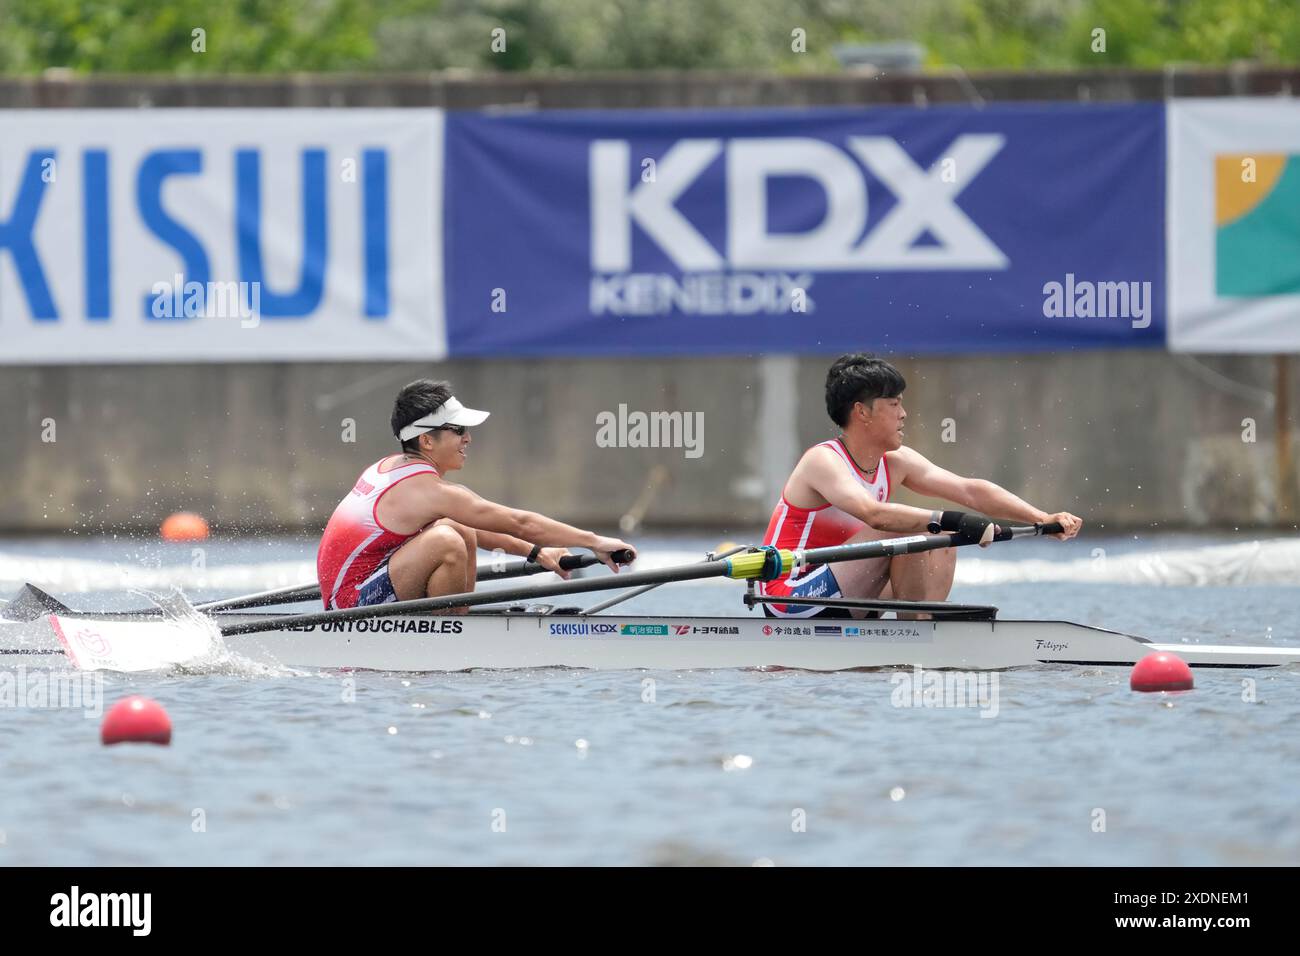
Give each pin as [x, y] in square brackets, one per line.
[762, 270]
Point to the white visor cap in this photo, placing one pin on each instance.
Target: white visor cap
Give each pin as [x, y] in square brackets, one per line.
[451, 412]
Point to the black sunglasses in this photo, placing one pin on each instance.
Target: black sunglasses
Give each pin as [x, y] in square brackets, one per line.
[459, 430]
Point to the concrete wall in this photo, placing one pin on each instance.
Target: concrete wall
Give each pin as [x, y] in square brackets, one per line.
[1125, 439]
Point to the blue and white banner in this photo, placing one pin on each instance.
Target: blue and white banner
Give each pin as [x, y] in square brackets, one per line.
[255, 235]
[215, 235]
[1009, 228]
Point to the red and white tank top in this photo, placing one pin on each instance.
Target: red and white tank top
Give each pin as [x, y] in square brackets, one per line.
[797, 528]
[355, 543]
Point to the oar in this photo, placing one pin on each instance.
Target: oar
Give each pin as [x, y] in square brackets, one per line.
[742, 567]
[311, 592]
[647, 588]
[290, 595]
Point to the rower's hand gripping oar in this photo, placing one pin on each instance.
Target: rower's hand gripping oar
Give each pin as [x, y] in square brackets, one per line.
[570, 562]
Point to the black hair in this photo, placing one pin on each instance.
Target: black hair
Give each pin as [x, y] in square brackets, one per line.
[859, 377]
[413, 402]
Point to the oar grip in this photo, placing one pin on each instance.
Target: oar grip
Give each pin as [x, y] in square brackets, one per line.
[571, 562]
[1007, 531]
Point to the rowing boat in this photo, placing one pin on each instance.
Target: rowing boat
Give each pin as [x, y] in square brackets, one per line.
[541, 638]
[412, 637]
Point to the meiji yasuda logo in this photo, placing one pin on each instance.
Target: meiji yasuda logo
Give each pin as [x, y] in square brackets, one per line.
[770, 272]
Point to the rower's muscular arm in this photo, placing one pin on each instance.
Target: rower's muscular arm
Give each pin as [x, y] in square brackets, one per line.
[417, 503]
[460, 504]
[926, 478]
[492, 540]
[822, 472]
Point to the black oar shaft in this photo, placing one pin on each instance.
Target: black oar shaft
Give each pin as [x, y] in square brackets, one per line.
[311, 592]
[920, 542]
[521, 592]
[301, 592]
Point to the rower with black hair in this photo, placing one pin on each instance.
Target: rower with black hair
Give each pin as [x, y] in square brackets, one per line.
[839, 492]
[403, 532]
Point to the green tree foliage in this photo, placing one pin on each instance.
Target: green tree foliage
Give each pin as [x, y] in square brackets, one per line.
[279, 36]
[1043, 34]
[139, 36]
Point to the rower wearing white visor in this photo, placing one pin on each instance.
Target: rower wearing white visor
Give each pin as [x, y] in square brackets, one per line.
[403, 532]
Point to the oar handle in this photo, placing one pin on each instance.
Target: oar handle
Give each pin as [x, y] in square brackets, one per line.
[1006, 532]
[570, 562]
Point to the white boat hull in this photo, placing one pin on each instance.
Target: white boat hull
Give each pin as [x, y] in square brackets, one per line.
[449, 643]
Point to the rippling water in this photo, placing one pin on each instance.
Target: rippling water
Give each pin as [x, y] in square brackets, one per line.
[730, 767]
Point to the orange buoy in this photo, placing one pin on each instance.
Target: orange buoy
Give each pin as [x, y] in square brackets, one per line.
[1160, 672]
[136, 719]
[184, 526]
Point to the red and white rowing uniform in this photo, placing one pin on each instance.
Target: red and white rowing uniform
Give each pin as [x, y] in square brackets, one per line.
[802, 528]
[355, 547]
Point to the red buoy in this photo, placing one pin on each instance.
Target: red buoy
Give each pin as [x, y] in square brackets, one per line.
[136, 719]
[184, 526]
[1161, 672]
